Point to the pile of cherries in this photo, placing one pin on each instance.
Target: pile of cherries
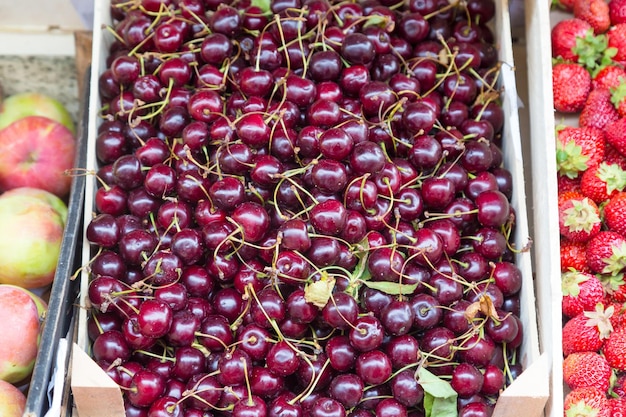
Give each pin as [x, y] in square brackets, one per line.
[302, 209]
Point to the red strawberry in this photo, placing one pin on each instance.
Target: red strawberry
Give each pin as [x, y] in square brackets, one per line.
[578, 149]
[579, 217]
[612, 156]
[586, 369]
[606, 253]
[614, 349]
[617, 11]
[618, 98]
[598, 110]
[571, 84]
[603, 181]
[595, 12]
[586, 402]
[614, 134]
[564, 35]
[614, 288]
[618, 407]
[573, 256]
[608, 77]
[617, 40]
[566, 183]
[585, 334]
[581, 292]
[618, 319]
[615, 213]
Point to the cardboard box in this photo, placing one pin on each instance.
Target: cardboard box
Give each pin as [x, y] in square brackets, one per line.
[529, 392]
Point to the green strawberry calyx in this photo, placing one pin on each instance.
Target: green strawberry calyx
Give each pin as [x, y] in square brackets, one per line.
[582, 216]
[601, 319]
[613, 175]
[615, 263]
[611, 283]
[570, 159]
[570, 282]
[594, 52]
[581, 408]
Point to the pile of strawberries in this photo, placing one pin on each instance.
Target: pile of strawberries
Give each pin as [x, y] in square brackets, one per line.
[589, 82]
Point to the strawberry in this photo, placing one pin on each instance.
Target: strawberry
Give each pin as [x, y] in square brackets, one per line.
[586, 369]
[571, 84]
[594, 12]
[618, 319]
[573, 256]
[586, 402]
[609, 76]
[618, 98]
[578, 149]
[612, 156]
[614, 349]
[598, 110]
[614, 288]
[602, 182]
[586, 334]
[617, 11]
[618, 407]
[617, 40]
[615, 213]
[581, 292]
[606, 253]
[564, 35]
[566, 183]
[593, 52]
[579, 217]
[614, 134]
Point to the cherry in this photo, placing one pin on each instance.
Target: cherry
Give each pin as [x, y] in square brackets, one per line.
[327, 407]
[282, 359]
[340, 311]
[110, 346]
[215, 333]
[146, 388]
[347, 389]
[508, 277]
[264, 383]
[405, 388]
[267, 306]
[357, 48]
[374, 367]
[388, 407]
[250, 407]
[402, 350]
[467, 380]
[328, 217]
[367, 334]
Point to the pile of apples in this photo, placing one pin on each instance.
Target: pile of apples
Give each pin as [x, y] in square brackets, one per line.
[37, 151]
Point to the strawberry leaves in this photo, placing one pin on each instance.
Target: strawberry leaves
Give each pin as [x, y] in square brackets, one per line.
[593, 52]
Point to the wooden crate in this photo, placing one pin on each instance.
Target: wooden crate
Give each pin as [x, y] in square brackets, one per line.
[529, 392]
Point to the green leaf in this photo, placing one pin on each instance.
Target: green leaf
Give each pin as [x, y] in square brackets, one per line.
[439, 397]
[391, 288]
[380, 21]
[264, 5]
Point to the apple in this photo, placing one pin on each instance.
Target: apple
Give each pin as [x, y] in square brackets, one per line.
[20, 105]
[12, 400]
[32, 222]
[21, 314]
[36, 151]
